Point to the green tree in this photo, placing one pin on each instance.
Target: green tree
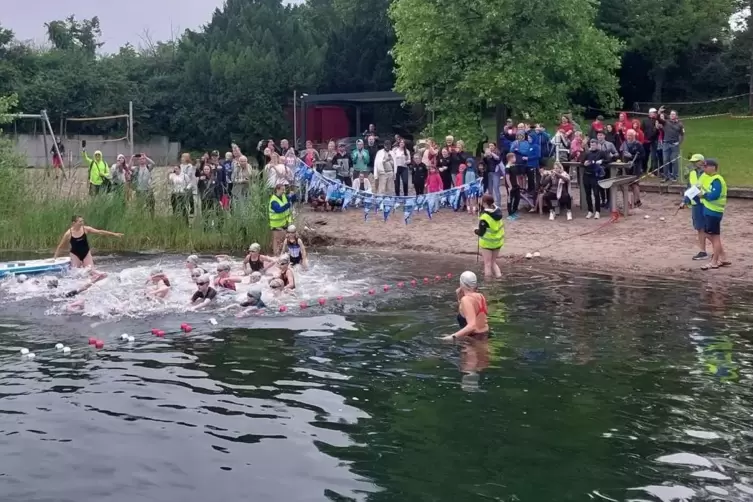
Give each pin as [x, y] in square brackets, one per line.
[70, 34]
[457, 56]
[663, 31]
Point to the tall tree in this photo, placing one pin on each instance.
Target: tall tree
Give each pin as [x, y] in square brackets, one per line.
[70, 34]
[661, 31]
[456, 56]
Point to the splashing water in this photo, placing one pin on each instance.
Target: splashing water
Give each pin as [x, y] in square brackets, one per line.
[125, 290]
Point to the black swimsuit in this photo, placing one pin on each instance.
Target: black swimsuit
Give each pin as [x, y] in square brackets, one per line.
[79, 246]
[256, 265]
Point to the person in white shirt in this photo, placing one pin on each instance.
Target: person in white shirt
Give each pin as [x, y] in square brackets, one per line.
[276, 172]
[384, 169]
[402, 156]
[180, 194]
[189, 171]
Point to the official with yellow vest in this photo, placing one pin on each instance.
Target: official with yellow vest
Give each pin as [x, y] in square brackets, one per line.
[491, 235]
[695, 179]
[714, 199]
[99, 173]
[280, 216]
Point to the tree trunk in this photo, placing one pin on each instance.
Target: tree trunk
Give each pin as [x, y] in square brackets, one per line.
[659, 77]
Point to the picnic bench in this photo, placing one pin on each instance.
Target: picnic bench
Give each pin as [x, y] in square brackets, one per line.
[616, 170]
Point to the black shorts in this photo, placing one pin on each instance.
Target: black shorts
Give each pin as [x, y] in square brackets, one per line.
[712, 225]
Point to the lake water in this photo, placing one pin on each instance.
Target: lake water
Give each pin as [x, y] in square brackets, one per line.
[591, 388]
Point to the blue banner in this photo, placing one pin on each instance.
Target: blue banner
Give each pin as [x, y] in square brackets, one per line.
[314, 181]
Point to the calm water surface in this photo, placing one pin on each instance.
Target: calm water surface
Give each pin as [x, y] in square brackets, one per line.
[592, 388]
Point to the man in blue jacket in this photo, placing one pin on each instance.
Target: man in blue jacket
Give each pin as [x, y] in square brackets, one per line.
[714, 199]
[532, 164]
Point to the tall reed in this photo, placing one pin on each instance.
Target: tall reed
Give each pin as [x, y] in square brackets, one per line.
[35, 210]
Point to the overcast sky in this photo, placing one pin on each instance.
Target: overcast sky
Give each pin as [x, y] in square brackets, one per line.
[121, 21]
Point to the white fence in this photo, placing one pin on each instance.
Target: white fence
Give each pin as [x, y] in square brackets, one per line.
[159, 148]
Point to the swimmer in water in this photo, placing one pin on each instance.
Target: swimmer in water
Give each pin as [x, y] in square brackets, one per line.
[255, 261]
[277, 286]
[159, 284]
[204, 295]
[294, 248]
[253, 301]
[78, 305]
[80, 252]
[255, 278]
[472, 310]
[192, 263]
[224, 279]
[286, 274]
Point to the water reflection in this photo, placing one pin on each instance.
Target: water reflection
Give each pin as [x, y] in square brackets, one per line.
[592, 387]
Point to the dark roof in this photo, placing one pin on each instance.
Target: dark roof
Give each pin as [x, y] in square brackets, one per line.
[355, 98]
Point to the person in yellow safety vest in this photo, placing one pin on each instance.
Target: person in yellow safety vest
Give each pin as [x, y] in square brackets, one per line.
[695, 179]
[491, 235]
[280, 216]
[99, 173]
[714, 199]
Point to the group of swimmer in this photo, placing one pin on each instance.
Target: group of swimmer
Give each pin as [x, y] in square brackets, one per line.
[276, 271]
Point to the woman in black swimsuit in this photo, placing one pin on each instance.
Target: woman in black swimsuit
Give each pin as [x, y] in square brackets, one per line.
[255, 261]
[81, 255]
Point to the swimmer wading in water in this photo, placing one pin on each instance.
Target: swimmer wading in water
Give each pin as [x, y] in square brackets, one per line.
[80, 252]
[472, 310]
[294, 248]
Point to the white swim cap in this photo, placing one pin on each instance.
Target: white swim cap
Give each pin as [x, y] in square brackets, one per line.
[192, 259]
[254, 292]
[155, 271]
[468, 280]
[291, 229]
[276, 283]
[254, 248]
[224, 266]
[203, 279]
[255, 277]
[283, 260]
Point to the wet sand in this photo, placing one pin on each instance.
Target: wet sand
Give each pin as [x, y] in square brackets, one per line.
[628, 246]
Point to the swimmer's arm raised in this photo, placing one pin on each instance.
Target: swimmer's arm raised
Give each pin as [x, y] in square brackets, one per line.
[96, 231]
[66, 236]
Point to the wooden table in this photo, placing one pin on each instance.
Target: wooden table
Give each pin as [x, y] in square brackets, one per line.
[615, 169]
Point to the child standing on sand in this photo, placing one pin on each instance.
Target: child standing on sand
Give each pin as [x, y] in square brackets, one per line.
[434, 181]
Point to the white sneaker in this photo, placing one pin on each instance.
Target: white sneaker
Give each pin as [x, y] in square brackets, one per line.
[589, 215]
[596, 215]
[551, 215]
[569, 215]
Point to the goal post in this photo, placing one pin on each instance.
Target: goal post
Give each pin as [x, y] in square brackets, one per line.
[119, 141]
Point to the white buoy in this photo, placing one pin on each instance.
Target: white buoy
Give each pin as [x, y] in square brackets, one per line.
[647, 217]
[58, 346]
[124, 337]
[31, 355]
[213, 321]
[24, 351]
[66, 350]
[529, 256]
[131, 339]
[536, 254]
[661, 218]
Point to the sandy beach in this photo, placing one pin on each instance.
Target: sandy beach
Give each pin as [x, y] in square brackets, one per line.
[628, 246]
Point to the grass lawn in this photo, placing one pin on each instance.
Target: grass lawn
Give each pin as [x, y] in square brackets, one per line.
[723, 138]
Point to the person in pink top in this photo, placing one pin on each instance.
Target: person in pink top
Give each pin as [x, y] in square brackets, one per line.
[433, 181]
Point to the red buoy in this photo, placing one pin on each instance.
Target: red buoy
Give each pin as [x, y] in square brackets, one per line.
[413, 282]
[322, 301]
[437, 278]
[99, 344]
[304, 305]
[188, 328]
[386, 287]
[183, 326]
[449, 275]
[92, 341]
[426, 280]
[160, 333]
[155, 331]
[372, 291]
[400, 284]
[283, 308]
[339, 298]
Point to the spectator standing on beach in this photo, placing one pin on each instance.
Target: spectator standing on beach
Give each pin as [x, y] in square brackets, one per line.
[674, 134]
[419, 173]
[329, 155]
[592, 161]
[57, 160]
[120, 174]
[511, 172]
[241, 179]
[443, 167]
[649, 126]
[457, 157]
[384, 169]
[275, 171]
[342, 163]
[555, 186]
[506, 137]
[632, 151]
[429, 157]
[597, 126]
[561, 144]
[697, 178]
[492, 177]
[714, 199]
[372, 148]
[179, 194]
[576, 146]
[360, 158]
[309, 155]
[610, 134]
[99, 173]
[402, 157]
[189, 171]
[533, 160]
[144, 183]
[544, 142]
[623, 124]
[207, 186]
